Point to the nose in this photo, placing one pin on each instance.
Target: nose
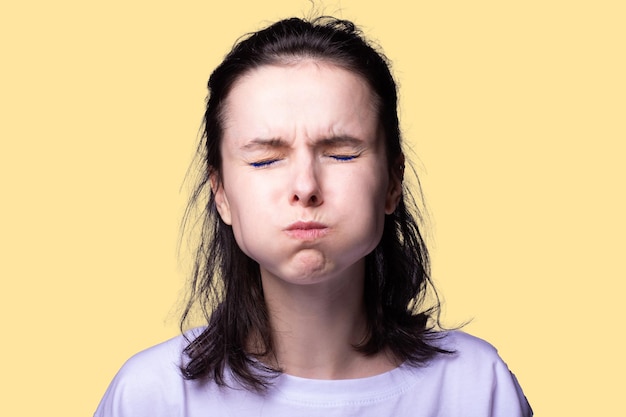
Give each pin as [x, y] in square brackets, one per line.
[306, 185]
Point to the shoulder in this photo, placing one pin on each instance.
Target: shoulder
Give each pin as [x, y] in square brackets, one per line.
[473, 377]
[150, 380]
[470, 357]
[164, 357]
[468, 348]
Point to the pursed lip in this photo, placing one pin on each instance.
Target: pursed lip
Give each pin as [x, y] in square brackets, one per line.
[306, 230]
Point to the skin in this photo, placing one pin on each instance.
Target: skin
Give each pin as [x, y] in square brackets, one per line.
[305, 187]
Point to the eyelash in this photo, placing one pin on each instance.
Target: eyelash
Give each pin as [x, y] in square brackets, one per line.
[263, 164]
[343, 158]
[268, 162]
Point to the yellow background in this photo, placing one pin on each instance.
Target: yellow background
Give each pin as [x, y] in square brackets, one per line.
[515, 112]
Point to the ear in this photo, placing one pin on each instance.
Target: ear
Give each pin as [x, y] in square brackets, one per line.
[394, 191]
[221, 200]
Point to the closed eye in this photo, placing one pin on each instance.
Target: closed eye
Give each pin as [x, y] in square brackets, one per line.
[343, 157]
[264, 163]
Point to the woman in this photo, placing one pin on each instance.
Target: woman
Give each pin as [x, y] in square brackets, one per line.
[311, 272]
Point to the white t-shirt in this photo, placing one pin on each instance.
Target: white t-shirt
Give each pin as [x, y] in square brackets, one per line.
[474, 382]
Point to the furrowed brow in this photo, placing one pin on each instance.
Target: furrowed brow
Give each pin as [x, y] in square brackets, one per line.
[337, 141]
[260, 143]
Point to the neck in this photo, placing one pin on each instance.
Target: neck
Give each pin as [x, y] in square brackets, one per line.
[315, 328]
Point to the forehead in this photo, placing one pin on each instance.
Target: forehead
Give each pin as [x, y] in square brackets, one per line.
[304, 98]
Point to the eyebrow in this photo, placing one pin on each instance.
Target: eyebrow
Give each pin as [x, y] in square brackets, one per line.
[276, 143]
[341, 141]
[264, 143]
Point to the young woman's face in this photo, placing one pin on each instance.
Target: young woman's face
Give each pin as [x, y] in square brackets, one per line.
[305, 182]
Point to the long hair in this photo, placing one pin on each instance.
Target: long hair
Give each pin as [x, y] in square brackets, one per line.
[226, 283]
